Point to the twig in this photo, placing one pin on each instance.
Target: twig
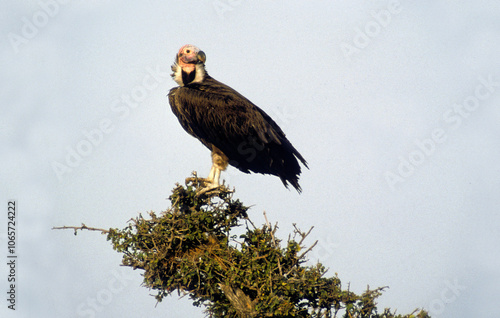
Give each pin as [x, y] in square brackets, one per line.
[250, 221]
[269, 226]
[274, 241]
[308, 250]
[81, 228]
[302, 234]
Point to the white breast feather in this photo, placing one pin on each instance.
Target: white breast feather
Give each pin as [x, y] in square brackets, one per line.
[177, 74]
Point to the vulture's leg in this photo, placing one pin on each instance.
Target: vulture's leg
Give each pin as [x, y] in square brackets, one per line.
[219, 163]
[211, 175]
[212, 182]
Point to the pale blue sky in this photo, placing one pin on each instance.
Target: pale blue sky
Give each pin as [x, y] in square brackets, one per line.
[395, 105]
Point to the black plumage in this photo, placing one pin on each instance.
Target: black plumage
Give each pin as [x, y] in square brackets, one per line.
[229, 124]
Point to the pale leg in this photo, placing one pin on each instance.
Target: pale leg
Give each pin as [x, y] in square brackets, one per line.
[211, 175]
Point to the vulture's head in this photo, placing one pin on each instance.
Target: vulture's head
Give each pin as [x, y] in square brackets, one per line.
[189, 65]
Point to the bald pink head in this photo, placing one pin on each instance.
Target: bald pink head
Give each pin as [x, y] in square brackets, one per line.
[188, 56]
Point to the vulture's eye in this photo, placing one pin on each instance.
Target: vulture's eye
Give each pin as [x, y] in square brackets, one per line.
[188, 51]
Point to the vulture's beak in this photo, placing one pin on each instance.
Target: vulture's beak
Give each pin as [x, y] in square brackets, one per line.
[201, 57]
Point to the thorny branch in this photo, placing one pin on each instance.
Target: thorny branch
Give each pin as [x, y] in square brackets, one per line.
[81, 228]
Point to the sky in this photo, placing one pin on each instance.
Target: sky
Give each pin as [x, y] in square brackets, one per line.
[394, 104]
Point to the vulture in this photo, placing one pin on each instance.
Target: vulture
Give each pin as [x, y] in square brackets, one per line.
[235, 130]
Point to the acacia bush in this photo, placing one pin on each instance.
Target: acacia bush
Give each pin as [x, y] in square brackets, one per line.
[190, 249]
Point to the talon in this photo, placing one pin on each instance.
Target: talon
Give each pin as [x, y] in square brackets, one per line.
[209, 185]
[212, 189]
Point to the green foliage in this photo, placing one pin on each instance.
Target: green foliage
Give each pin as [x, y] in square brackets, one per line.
[189, 249]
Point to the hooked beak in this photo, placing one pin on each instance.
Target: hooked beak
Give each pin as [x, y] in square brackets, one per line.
[194, 59]
[201, 57]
